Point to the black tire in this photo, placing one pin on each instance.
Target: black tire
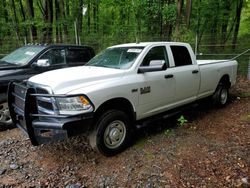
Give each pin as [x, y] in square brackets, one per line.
[5, 118]
[112, 133]
[221, 95]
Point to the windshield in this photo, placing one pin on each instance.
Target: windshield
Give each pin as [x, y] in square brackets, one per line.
[21, 56]
[118, 58]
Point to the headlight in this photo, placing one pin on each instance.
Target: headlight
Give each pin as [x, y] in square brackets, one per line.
[73, 105]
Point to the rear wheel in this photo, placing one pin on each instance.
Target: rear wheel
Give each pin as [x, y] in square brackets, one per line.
[112, 133]
[220, 97]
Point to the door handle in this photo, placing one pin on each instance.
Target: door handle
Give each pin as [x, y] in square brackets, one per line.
[169, 76]
[195, 71]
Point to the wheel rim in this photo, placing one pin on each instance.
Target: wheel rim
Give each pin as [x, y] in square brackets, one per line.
[223, 96]
[5, 114]
[114, 134]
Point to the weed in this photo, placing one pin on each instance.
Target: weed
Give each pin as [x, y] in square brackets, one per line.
[168, 132]
[182, 120]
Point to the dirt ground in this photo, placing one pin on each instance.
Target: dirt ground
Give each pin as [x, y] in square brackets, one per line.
[211, 150]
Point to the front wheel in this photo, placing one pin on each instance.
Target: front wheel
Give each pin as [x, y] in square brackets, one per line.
[112, 133]
[220, 97]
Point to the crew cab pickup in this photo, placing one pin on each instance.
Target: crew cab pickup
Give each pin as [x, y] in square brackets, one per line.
[118, 89]
[29, 60]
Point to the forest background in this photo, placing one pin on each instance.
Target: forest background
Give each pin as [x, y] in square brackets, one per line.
[215, 28]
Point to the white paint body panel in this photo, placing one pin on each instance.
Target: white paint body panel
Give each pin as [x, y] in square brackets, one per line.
[103, 84]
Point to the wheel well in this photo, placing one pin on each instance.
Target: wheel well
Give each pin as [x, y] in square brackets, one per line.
[225, 80]
[119, 104]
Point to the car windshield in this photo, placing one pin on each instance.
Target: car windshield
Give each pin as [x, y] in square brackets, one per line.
[118, 57]
[21, 56]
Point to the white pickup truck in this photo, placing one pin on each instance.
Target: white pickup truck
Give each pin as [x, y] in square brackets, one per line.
[117, 90]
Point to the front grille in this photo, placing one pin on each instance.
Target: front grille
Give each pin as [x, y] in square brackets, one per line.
[19, 93]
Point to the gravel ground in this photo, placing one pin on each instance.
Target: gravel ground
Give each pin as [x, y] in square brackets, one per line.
[211, 150]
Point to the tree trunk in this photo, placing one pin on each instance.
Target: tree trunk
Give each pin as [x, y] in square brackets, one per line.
[31, 15]
[89, 17]
[16, 21]
[213, 29]
[168, 26]
[64, 16]
[6, 16]
[237, 24]
[47, 10]
[24, 17]
[79, 19]
[95, 15]
[58, 21]
[188, 12]
[178, 18]
[225, 21]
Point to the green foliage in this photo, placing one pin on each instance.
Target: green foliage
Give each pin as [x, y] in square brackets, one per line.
[169, 13]
[182, 120]
[111, 22]
[168, 132]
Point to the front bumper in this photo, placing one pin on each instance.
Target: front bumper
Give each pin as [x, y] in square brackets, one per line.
[42, 128]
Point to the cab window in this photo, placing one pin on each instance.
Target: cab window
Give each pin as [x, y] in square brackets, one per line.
[156, 54]
[77, 55]
[55, 56]
[181, 56]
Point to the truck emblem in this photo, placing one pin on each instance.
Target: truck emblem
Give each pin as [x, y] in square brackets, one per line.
[145, 90]
[134, 90]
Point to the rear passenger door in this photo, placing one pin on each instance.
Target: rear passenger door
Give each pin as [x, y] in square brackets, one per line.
[186, 75]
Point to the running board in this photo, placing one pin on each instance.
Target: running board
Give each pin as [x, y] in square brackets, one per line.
[145, 122]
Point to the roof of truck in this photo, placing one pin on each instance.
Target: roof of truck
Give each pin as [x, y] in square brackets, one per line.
[144, 44]
[56, 45]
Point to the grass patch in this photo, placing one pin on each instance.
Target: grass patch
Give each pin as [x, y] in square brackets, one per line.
[168, 132]
[140, 143]
[244, 95]
[246, 118]
[149, 155]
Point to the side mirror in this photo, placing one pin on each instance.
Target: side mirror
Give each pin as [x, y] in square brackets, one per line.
[43, 63]
[154, 65]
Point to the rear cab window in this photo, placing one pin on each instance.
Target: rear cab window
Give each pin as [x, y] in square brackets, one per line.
[181, 55]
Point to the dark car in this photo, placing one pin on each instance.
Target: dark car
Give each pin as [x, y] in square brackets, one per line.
[34, 59]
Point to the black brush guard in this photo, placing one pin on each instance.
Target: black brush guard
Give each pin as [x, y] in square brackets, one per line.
[42, 128]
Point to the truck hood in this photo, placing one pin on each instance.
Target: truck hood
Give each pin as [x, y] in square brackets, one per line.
[62, 81]
[8, 75]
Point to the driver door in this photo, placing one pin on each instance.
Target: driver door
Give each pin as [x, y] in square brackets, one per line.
[157, 88]
[55, 59]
